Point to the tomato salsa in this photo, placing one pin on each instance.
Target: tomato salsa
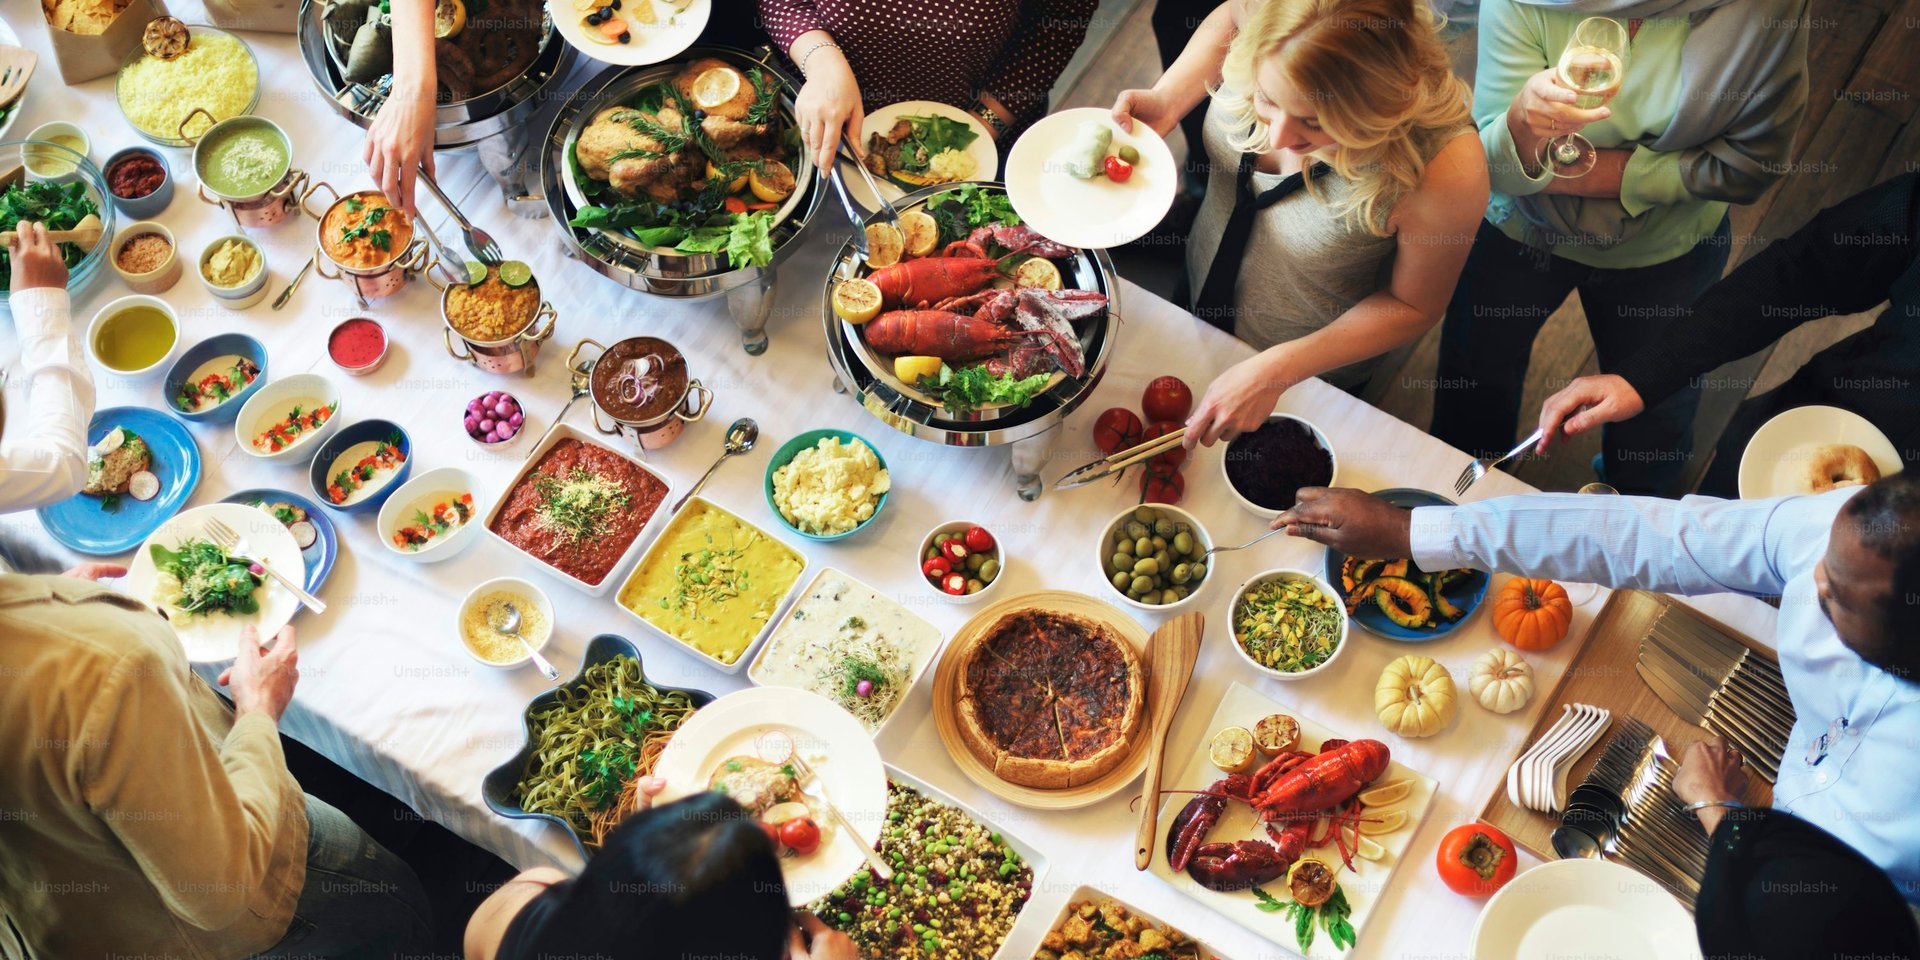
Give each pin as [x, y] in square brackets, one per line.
[445, 517]
[290, 430]
[135, 176]
[386, 456]
[217, 387]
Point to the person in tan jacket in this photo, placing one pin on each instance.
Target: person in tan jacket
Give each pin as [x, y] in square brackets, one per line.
[139, 814]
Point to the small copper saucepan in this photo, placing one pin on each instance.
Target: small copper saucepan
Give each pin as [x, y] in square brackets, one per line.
[512, 353]
[256, 209]
[641, 384]
[373, 271]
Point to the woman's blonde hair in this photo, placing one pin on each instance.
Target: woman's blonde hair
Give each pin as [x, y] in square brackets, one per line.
[1378, 73]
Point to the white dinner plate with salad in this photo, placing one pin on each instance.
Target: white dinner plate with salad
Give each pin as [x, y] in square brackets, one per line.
[1611, 911]
[1774, 464]
[209, 599]
[656, 29]
[757, 724]
[1094, 211]
[933, 134]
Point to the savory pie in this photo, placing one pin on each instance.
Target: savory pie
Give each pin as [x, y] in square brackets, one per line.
[1050, 699]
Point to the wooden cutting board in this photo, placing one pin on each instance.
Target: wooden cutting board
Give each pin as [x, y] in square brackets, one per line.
[1603, 675]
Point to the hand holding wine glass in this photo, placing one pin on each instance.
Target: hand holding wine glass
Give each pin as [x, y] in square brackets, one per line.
[1591, 68]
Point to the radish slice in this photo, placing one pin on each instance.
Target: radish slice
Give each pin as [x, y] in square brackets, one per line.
[143, 485]
[303, 532]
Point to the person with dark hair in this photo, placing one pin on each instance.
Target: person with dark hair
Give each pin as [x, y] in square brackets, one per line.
[1845, 564]
[698, 877]
[1777, 887]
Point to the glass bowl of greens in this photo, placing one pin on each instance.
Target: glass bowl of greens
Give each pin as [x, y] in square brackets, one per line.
[60, 204]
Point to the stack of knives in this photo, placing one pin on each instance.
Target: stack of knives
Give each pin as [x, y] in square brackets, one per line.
[1714, 681]
[1626, 810]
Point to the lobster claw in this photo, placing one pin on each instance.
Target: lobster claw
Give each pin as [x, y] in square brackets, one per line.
[1238, 865]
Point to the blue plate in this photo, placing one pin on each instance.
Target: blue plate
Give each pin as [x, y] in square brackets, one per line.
[792, 448]
[81, 524]
[347, 436]
[1466, 594]
[218, 345]
[326, 547]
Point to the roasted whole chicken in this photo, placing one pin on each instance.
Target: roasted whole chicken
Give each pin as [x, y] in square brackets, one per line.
[655, 153]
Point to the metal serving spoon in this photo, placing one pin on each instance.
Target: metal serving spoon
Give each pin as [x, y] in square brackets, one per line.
[505, 618]
[741, 437]
[1213, 550]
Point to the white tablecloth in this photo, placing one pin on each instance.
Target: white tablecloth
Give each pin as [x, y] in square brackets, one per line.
[387, 691]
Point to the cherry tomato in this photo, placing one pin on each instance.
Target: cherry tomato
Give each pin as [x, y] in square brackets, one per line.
[979, 540]
[734, 205]
[1116, 429]
[1167, 398]
[1174, 457]
[802, 834]
[1118, 170]
[1161, 485]
[773, 834]
[936, 568]
[1475, 860]
[955, 584]
[954, 550]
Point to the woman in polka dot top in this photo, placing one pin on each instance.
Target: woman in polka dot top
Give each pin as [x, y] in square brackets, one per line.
[995, 58]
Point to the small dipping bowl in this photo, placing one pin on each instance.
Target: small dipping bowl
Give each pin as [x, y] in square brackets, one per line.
[960, 527]
[147, 205]
[476, 414]
[248, 292]
[1321, 587]
[529, 599]
[54, 164]
[807, 441]
[358, 345]
[1235, 449]
[125, 325]
[158, 279]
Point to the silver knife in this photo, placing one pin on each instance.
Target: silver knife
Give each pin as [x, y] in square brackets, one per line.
[1702, 639]
[1686, 703]
[1769, 715]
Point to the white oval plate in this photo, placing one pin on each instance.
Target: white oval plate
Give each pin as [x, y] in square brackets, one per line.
[215, 637]
[1775, 456]
[669, 34]
[1610, 911]
[985, 154]
[421, 493]
[1097, 213]
[835, 744]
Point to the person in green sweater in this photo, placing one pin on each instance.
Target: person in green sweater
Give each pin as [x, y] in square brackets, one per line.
[1713, 93]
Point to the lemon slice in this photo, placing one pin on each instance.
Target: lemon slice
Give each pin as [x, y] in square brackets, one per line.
[1386, 793]
[770, 180]
[449, 18]
[1276, 733]
[856, 301]
[514, 273]
[735, 185]
[715, 87]
[884, 244]
[922, 233]
[1368, 850]
[1232, 749]
[911, 369]
[1383, 824]
[1037, 272]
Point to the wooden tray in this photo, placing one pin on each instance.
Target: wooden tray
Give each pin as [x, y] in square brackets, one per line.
[946, 701]
[1603, 674]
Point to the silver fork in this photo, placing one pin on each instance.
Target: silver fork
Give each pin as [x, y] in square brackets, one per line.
[237, 547]
[479, 242]
[1478, 468]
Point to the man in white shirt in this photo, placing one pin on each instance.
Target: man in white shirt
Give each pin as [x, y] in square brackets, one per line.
[48, 395]
[1845, 564]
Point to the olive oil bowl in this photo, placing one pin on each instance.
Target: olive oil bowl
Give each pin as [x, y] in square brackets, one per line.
[133, 336]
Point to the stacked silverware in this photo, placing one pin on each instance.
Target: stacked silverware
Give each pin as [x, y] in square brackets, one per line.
[1714, 681]
[1625, 809]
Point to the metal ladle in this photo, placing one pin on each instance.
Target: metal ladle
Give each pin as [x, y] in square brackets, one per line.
[506, 619]
[741, 436]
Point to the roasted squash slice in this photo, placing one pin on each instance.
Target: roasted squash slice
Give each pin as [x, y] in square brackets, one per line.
[1395, 568]
[1403, 602]
[1441, 605]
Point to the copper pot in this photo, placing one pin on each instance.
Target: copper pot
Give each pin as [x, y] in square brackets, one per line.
[265, 208]
[513, 353]
[661, 419]
[369, 281]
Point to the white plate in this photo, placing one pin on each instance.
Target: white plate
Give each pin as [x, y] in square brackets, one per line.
[11, 39]
[1774, 458]
[827, 737]
[214, 637]
[1097, 213]
[422, 493]
[669, 34]
[985, 154]
[1594, 908]
[1243, 706]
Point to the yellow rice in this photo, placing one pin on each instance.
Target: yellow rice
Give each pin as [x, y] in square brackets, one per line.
[216, 73]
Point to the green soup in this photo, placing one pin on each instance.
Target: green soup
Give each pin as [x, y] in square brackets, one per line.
[243, 160]
[134, 339]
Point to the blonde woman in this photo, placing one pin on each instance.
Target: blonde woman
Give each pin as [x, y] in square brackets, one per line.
[1344, 191]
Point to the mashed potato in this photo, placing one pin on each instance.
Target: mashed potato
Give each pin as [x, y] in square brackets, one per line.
[951, 165]
[831, 487]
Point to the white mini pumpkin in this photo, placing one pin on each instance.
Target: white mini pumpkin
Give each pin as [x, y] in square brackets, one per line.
[1415, 697]
[1501, 681]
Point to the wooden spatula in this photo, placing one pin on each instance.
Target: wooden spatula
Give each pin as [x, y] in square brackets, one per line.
[1172, 652]
[16, 68]
[85, 234]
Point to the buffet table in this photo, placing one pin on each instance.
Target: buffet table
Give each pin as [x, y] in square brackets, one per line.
[387, 691]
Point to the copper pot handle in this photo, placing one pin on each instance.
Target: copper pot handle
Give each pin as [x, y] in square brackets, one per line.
[552, 316]
[320, 261]
[201, 189]
[573, 357]
[695, 388]
[182, 128]
[313, 188]
[596, 423]
[292, 182]
[457, 355]
[419, 259]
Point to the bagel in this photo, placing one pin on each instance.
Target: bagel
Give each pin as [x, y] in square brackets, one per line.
[1834, 465]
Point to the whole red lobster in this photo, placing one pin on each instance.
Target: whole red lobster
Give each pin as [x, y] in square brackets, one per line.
[929, 280]
[1285, 792]
[953, 337]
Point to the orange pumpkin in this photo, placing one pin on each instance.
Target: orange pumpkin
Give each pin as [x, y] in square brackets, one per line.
[1532, 614]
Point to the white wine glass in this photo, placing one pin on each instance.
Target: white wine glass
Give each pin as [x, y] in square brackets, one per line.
[1592, 66]
[1580, 593]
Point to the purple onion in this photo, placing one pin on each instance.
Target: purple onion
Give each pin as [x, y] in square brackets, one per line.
[491, 437]
[472, 422]
[517, 419]
[864, 688]
[473, 406]
[502, 410]
[256, 569]
[487, 423]
[507, 430]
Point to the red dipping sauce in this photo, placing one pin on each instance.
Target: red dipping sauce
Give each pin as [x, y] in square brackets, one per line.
[135, 176]
[358, 346]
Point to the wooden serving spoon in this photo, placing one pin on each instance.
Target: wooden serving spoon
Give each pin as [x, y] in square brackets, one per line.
[85, 234]
[16, 68]
[1173, 649]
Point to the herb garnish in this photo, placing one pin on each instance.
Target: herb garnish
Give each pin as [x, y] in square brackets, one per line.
[580, 505]
[1331, 916]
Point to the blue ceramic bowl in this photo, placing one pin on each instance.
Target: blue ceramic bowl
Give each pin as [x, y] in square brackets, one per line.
[319, 555]
[321, 471]
[1466, 594]
[196, 356]
[153, 204]
[792, 448]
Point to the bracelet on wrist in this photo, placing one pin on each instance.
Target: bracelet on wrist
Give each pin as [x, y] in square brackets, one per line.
[813, 50]
[1698, 805]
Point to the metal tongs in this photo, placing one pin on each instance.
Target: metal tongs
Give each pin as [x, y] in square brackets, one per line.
[888, 214]
[1120, 460]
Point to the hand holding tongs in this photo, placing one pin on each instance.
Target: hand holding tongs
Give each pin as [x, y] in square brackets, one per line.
[1120, 460]
[889, 215]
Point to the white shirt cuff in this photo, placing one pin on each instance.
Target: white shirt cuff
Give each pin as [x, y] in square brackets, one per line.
[1434, 544]
[40, 312]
